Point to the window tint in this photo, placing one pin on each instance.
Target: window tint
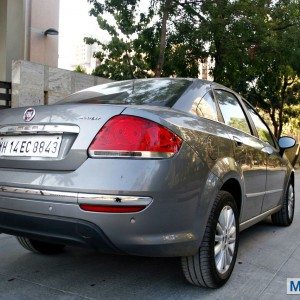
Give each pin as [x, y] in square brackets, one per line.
[162, 92]
[207, 107]
[262, 130]
[232, 111]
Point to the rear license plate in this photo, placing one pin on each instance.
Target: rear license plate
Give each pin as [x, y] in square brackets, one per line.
[30, 146]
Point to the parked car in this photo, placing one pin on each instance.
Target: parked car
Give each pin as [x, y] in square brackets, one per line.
[153, 167]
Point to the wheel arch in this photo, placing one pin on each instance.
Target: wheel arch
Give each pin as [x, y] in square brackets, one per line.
[289, 178]
[231, 178]
[233, 187]
[292, 178]
[225, 175]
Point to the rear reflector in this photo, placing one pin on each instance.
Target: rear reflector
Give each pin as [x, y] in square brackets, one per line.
[111, 208]
[131, 136]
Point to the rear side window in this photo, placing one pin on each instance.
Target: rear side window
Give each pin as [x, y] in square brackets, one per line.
[207, 107]
[162, 92]
[262, 130]
[232, 111]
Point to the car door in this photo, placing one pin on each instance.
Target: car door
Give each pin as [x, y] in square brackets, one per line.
[248, 155]
[276, 168]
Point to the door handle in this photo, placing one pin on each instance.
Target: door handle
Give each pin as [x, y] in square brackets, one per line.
[268, 150]
[237, 141]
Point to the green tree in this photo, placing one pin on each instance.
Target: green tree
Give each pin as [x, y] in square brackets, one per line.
[276, 86]
[143, 44]
[124, 56]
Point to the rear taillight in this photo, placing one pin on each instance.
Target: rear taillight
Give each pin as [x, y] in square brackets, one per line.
[130, 136]
[112, 208]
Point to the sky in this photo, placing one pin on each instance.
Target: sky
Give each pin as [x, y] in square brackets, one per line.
[74, 24]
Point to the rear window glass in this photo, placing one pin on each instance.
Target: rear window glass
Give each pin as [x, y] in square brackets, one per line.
[161, 92]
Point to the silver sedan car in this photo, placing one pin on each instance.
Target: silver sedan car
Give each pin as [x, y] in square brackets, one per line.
[153, 167]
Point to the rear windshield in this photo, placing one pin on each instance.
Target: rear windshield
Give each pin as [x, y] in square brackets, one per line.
[161, 92]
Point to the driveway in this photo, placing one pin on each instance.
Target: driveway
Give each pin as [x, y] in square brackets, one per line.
[267, 256]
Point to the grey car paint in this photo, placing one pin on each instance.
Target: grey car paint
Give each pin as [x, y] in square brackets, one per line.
[183, 187]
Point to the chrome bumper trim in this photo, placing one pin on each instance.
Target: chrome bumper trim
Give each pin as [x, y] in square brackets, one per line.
[128, 154]
[115, 199]
[16, 190]
[81, 198]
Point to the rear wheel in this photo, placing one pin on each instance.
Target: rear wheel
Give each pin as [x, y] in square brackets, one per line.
[39, 246]
[285, 216]
[212, 265]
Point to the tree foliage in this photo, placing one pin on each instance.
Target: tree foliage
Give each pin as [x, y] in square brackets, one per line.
[255, 46]
[80, 69]
[129, 53]
[139, 47]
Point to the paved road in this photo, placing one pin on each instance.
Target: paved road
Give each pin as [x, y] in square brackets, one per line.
[267, 256]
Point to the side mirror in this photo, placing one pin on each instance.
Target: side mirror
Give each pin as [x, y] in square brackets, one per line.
[286, 142]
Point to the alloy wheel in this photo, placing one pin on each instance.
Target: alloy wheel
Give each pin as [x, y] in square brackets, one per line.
[225, 239]
[291, 201]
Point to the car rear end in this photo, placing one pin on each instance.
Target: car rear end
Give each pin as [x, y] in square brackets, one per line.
[74, 175]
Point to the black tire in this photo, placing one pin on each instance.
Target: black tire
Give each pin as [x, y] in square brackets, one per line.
[39, 246]
[201, 269]
[282, 217]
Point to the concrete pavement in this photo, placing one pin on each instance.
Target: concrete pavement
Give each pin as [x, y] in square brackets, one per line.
[267, 256]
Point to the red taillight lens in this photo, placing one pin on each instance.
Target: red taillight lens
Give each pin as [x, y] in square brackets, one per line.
[130, 136]
[112, 208]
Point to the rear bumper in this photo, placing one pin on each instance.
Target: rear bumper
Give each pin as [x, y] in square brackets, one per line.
[149, 234]
[180, 189]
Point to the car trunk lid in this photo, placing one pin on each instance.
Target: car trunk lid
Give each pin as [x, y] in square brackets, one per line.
[74, 126]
